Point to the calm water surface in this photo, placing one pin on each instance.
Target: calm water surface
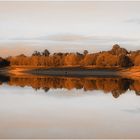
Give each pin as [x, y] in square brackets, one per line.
[41, 107]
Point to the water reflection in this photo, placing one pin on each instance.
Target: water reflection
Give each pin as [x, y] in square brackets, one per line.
[114, 85]
[31, 115]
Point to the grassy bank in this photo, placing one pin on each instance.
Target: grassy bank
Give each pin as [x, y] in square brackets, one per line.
[133, 72]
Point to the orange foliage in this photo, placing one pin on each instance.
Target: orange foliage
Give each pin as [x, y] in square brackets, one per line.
[106, 59]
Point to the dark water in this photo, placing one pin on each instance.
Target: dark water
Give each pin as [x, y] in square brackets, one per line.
[62, 107]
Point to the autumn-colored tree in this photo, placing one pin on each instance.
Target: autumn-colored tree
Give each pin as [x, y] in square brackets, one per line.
[106, 59]
[57, 60]
[85, 52]
[117, 56]
[117, 50]
[71, 59]
[137, 60]
[45, 53]
[89, 59]
[124, 61]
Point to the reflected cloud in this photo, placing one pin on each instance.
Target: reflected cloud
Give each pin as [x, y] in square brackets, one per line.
[136, 21]
[136, 110]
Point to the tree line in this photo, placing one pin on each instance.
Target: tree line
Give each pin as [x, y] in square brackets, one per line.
[117, 56]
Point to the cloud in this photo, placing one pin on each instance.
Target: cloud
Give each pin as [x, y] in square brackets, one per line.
[13, 49]
[54, 37]
[27, 48]
[66, 37]
[78, 38]
[66, 43]
[84, 38]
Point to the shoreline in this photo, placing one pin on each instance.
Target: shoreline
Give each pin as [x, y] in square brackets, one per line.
[70, 71]
[77, 71]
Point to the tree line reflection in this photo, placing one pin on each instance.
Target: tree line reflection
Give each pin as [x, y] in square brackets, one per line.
[116, 86]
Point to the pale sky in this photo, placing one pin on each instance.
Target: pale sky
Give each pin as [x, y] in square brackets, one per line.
[68, 26]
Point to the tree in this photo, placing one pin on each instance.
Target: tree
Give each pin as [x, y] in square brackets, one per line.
[45, 53]
[71, 59]
[106, 59]
[36, 53]
[124, 61]
[137, 60]
[89, 59]
[117, 50]
[85, 52]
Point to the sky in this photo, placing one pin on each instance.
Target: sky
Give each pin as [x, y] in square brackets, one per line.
[68, 26]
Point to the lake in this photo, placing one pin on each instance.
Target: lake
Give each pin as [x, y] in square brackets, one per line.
[69, 107]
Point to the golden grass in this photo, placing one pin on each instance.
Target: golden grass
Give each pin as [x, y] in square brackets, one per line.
[133, 72]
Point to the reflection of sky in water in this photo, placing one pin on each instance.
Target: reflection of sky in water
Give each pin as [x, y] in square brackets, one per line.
[26, 113]
[135, 110]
